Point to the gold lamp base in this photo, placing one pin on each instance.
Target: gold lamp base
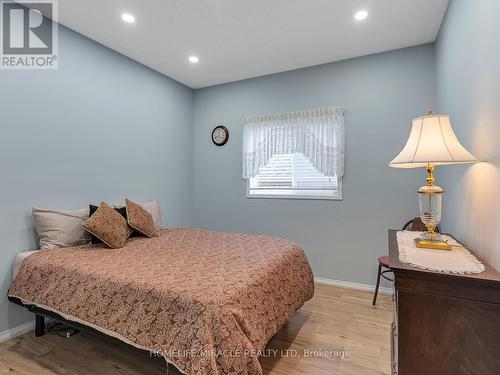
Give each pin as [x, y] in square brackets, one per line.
[432, 244]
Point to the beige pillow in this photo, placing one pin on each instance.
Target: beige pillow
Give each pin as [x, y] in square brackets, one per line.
[140, 219]
[60, 228]
[109, 226]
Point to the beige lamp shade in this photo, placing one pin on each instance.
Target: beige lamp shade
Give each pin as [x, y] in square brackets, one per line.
[432, 140]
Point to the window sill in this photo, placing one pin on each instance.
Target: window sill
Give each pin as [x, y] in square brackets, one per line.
[294, 196]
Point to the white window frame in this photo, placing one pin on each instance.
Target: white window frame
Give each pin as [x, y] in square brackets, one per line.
[317, 134]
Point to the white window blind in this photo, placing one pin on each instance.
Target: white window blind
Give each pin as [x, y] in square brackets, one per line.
[292, 175]
[295, 155]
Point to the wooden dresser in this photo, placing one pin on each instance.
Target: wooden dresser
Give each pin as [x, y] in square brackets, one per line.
[443, 323]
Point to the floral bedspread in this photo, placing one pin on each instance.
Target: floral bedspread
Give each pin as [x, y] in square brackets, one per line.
[206, 301]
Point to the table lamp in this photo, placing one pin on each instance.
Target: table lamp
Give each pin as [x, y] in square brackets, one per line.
[431, 142]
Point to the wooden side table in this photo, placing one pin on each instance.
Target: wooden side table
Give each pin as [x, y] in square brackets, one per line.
[444, 323]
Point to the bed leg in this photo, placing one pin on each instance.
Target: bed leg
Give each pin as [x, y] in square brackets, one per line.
[39, 325]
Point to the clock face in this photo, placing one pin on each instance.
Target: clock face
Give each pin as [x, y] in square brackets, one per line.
[220, 135]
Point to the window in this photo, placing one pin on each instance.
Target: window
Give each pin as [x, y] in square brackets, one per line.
[292, 176]
[295, 155]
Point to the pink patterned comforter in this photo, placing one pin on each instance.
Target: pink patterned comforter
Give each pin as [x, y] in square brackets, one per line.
[207, 301]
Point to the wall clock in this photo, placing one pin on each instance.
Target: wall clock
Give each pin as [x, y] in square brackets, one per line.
[220, 135]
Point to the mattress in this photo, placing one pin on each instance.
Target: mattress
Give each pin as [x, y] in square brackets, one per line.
[208, 302]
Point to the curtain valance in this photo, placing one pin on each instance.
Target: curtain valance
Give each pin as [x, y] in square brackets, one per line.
[316, 133]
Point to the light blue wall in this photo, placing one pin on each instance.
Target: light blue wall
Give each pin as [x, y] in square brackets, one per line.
[342, 239]
[101, 127]
[468, 88]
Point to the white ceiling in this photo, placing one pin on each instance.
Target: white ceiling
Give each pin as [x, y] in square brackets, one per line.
[238, 39]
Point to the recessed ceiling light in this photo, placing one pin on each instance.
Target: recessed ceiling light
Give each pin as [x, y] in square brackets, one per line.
[127, 17]
[361, 15]
[193, 59]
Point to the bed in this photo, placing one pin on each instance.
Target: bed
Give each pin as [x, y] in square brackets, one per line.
[208, 302]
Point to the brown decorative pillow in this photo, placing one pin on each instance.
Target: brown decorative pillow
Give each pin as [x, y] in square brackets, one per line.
[140, 219]
[109, 226]
[121, 210]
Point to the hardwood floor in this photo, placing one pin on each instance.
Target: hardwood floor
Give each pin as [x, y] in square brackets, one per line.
[335, 321]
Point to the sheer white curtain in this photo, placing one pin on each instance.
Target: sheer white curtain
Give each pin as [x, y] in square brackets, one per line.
[316, 133]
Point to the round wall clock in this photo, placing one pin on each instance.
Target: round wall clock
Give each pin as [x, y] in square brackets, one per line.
[220, 135]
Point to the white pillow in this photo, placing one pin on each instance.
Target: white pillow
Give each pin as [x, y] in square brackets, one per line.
[60, 228]
[153, 207]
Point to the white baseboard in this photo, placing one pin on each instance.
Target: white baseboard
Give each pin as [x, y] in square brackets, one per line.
[349, 285]
[17, 331]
